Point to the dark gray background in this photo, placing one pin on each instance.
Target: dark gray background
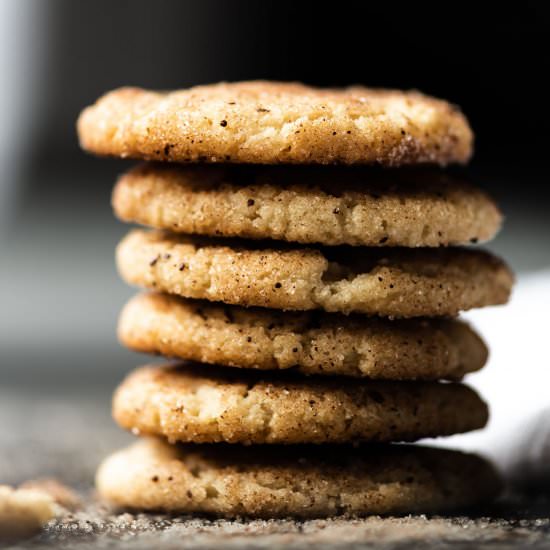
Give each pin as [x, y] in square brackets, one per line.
[60, 294]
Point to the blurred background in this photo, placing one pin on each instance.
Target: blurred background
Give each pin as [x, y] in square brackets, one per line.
[59, 292]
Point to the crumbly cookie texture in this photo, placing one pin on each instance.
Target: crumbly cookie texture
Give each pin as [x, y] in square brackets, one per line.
[388, 282]
[274, 122]
[309, 342]
[294, 481]
[199, 404]
[308, 204]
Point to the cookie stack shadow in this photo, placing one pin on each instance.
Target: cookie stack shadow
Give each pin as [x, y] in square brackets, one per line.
[312, 308]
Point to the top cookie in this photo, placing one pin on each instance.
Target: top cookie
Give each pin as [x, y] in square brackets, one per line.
[273, 122]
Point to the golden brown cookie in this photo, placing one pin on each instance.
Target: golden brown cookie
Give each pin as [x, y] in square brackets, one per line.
[310, 342]
[389, 282]
[323, 205]
[298, 481]
[276, 122]
[199, 404]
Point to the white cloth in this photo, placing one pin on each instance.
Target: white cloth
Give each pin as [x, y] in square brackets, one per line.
[516, 380]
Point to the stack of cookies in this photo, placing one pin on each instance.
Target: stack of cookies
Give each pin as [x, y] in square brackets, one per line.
[305, 269]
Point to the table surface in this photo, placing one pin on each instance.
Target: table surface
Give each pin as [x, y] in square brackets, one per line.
[65, 436]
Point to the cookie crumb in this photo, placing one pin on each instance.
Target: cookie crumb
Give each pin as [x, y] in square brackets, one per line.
[23, 512]
[62, 495]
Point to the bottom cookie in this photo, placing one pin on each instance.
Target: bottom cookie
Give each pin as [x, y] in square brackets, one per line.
[300, 481]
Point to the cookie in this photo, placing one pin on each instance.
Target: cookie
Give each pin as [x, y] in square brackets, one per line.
[276, 122]
[297, 481]
[389, 282]
[204, 404]
[309, 342]
[308, 204]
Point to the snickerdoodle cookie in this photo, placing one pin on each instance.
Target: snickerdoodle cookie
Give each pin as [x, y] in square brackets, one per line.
[276, 122]
[199, 404]
[324, 205]
[310, 342]
[299, 481]
[395, 282]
